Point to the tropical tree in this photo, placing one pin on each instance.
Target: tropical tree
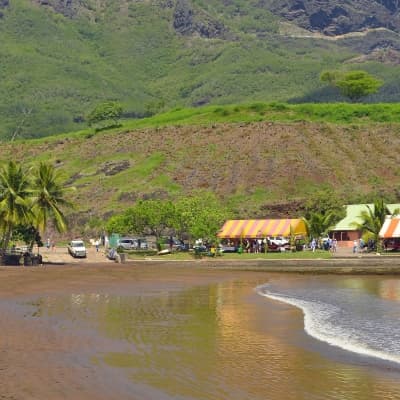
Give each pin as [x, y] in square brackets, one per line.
[121, 223]
[325, 201]
[322, 211]
[105, 115]
[352, 84]
[200, 215]
[373, 218]
[154, 215]
[27, 234]
[197, 216]
[15, 201]
[48, 198]
[319, 223]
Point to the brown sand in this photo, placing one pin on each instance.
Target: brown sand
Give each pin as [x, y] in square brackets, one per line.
[39, 360]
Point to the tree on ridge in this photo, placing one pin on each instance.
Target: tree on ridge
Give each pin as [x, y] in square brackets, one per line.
[352, 84]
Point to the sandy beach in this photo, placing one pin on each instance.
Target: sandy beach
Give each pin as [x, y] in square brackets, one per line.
[55, 355]
[39, 358]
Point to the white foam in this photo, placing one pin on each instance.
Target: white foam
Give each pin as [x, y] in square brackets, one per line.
[316, 324]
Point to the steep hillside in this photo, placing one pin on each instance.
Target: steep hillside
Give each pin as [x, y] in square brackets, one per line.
[339, 17]
[258, 168]
[61, 58]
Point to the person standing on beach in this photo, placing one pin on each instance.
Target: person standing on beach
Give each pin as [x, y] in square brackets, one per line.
[334, 245]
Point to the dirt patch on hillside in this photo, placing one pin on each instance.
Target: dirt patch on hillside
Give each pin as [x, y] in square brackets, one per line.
[272, 166]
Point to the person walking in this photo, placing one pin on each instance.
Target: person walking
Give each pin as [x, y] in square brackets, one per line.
[313, 245]
[334, 245]
[355, 246]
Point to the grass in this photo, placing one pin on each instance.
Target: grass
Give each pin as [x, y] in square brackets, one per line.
[185, 256]
[335, 113]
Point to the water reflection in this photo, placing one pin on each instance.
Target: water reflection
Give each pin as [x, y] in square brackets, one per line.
[220, 341]
[385, 288]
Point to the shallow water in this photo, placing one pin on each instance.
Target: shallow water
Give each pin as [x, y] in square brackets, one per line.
[225, 341]
[358, 315]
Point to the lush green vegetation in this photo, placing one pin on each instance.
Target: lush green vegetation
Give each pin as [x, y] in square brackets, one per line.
[338, 113]
[105, 115]
[352, 84]
[198, 216]
[29, 200]
[56, 69]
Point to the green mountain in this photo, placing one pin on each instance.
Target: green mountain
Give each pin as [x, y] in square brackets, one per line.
[59, 58]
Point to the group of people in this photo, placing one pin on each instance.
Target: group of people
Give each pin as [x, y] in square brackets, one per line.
[50, 244]
[360, 245]
[255, 245]
[328, 244]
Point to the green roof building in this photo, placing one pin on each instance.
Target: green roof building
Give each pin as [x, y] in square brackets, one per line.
[345, 231]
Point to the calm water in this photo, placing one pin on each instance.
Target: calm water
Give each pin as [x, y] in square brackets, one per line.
[245, 339]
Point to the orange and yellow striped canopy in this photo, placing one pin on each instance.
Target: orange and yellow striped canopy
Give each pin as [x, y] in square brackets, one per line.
[390, 228]
[253, 228]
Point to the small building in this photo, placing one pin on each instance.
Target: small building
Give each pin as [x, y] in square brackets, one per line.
[345, 231]
[261, 228]
[390, 233]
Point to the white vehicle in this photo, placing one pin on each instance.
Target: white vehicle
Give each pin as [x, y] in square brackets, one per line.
[278, 240]
[76, 248]
[133, 243]
[128, 243]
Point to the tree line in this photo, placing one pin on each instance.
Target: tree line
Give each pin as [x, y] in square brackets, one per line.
[202, 214]
[199, 215]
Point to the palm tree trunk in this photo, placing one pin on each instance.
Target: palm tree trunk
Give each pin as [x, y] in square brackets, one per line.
[6, 241]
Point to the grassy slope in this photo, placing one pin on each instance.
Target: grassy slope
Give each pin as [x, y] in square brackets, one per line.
[277, 158]
[54, 69]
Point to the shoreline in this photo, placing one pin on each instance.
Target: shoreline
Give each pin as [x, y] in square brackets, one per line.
[359, 265]
[323, 266]
[343, 262]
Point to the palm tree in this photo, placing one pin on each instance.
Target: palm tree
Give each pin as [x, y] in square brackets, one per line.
[319, 223]
[373, 218]
[48, 196]
[15, 206]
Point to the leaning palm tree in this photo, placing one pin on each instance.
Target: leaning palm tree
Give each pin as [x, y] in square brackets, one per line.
[373, 218]
[48, 198]
[15, 206]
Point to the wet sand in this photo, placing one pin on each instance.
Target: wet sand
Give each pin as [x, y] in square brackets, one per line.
[46, 358]
[40, 359]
